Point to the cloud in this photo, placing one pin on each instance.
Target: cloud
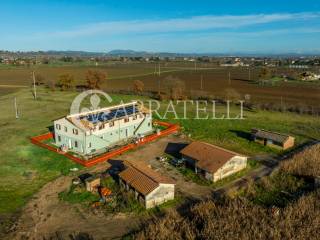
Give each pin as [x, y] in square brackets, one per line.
[196, 23]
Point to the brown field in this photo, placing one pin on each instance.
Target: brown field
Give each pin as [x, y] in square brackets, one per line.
[215, 81]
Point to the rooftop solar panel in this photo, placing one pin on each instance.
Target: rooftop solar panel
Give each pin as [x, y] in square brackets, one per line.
[111, 114]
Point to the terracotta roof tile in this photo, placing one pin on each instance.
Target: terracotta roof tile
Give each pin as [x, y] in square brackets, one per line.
[142, 178]
[208, 157]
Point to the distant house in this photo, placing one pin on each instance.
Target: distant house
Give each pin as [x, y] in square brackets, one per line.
[148, 186]
[309, 76]
[96, 131]
[272, 139]
[212, 162]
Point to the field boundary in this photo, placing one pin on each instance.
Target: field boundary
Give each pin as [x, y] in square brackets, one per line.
[170, 128]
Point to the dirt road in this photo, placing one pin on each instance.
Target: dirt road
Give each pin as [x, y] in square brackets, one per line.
[46, 216]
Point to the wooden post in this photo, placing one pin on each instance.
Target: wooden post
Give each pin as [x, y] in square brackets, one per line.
[159, 85]
[201, 82]
[34, 86]
[16, 108]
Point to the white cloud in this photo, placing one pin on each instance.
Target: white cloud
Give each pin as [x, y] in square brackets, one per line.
[196, 23]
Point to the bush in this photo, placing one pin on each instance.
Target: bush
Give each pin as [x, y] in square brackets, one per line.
[238, 219]
[305, 163]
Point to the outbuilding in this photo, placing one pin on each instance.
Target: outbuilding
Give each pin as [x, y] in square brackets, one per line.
[272, 139]
[212, 162]
[148, 186]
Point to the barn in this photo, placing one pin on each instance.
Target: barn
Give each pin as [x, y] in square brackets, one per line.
[212, 162]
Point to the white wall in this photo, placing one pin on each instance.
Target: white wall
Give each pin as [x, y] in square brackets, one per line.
[160, 195]
[234, 165]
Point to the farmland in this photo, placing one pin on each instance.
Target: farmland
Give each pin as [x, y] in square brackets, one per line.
[215, 80]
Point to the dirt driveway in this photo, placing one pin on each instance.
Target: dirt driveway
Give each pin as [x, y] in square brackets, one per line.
[46, 216]
[171, 144]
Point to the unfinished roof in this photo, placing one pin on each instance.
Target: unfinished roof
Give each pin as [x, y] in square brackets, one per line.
[208, 156]
[274, 136]
[142, 178]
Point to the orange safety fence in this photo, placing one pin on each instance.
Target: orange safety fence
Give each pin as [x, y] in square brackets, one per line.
[170, 128]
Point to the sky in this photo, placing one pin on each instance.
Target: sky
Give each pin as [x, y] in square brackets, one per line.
[203, 26]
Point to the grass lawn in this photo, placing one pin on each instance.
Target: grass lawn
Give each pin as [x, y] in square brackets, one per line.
[235, 134]
[24, 168]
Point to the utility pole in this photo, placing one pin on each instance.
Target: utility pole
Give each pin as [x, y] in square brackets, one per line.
[16, 108]
[159, 86]
[159, 72]
[34, 86]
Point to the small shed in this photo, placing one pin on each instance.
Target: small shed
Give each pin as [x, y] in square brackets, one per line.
[272, 139]
[148, 186]
[92, 183]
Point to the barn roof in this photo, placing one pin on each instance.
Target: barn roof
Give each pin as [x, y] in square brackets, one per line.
[274, 136]
[142, 178]
[208, 156]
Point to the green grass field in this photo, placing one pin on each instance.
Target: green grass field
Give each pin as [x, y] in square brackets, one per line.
[24, 168]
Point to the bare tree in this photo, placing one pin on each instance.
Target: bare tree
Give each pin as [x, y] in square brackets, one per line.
[39, 79]
[264, 75]
[95, 78]
[66, 81]
[138, 86]
[232, 94]
[175, 87]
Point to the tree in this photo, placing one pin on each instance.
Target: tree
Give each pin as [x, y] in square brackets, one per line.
[51, 84]
[232, 94]
[66, 81]
[39, 79]
[175, 87]
[138, 86]
[94, 79]
[264, 74]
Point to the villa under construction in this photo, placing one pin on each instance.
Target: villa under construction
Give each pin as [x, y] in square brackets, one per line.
[96, 131]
